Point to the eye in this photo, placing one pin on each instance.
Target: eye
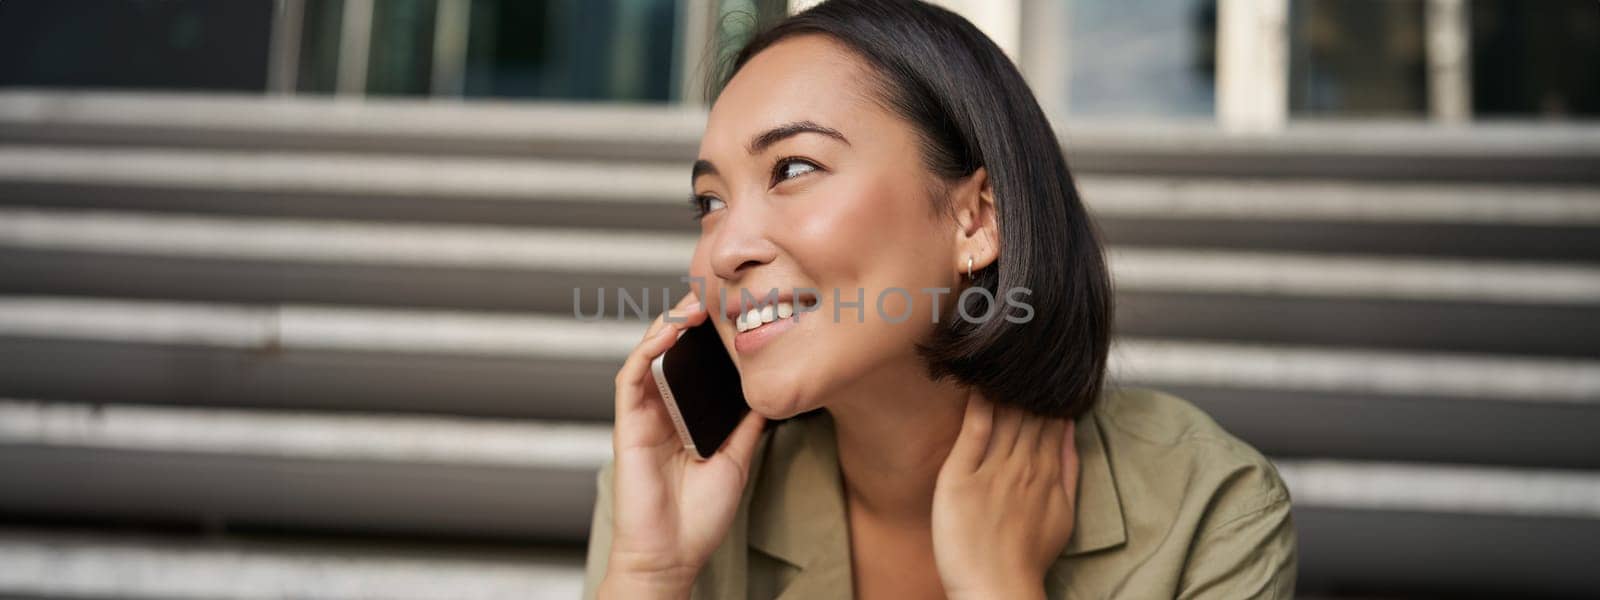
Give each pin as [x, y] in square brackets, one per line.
[703, 204]
[791, 167]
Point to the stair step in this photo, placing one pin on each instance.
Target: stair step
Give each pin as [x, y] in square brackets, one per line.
[139, 566]
[1494, 221]
[400, 475]
[570, 193]
[309, 123]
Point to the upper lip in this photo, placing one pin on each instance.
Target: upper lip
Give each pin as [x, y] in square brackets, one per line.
[737, 304]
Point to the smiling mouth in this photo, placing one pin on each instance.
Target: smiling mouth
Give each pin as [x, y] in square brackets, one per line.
[758, 316]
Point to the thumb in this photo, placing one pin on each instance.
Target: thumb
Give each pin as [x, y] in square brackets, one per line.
[741, 445]
[973, 439]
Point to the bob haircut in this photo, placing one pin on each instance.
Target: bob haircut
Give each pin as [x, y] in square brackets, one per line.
[972, 108]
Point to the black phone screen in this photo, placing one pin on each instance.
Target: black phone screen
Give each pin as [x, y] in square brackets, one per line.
[701, 386]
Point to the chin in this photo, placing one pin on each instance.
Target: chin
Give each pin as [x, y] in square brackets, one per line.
[777, 399]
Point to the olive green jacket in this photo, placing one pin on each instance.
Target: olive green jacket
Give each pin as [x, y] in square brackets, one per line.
[1169, 506]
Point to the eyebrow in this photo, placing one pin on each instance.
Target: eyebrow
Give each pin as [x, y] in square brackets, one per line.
[769, 137]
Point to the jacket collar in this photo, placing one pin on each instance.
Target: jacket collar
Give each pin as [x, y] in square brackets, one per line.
[1099, 523]
[797, 514]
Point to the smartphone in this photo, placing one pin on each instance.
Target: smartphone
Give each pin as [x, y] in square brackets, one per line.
[701, 386]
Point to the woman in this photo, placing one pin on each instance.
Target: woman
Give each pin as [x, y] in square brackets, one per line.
[875, 153]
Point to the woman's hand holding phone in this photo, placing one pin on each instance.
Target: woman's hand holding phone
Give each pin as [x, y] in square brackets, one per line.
[1004, 502]
[671, 509]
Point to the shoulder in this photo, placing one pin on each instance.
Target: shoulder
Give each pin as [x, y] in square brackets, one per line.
[1156, 416]
[1154, 435]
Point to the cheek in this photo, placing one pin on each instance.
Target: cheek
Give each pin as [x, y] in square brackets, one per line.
[700, 274]
[702, 281]
[830, 238]
[860, 232]
[875, 235]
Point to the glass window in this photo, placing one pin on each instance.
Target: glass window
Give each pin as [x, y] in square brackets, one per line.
[1142, 58]
[176, 44]
[1357, 58]
[574, 50]
[1536, 59]
[401, 59]
[319, 46]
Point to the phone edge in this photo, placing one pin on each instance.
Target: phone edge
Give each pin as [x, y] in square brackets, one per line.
[657, 372]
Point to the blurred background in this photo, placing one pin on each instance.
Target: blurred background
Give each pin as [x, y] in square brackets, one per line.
[286, 285]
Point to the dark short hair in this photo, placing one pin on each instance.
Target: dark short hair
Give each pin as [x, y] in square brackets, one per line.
[972, 108]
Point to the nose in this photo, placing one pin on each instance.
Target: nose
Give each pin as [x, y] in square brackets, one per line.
[740, 242]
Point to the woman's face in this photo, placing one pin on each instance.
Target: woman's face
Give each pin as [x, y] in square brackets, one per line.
[836, 201]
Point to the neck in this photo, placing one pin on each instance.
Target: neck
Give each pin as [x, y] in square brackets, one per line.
[894, 431]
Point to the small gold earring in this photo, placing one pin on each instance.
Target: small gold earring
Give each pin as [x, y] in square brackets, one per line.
[969, 266]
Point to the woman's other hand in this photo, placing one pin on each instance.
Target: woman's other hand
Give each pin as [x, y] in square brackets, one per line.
[1004, 502]
[670, 508]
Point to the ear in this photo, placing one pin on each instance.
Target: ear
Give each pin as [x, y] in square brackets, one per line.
[977, 233]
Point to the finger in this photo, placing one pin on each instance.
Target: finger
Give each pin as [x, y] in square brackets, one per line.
[1028, 436]
[741, 445]
[1007, 423]
[682, 320]
[1050, 437]
[687, 317]
[1069, 461]
[630, 382]
[1048, 451]
[976, 425]
[686, 308]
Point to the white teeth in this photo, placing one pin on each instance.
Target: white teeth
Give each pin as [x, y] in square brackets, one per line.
[757, 317]
[750, 320]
